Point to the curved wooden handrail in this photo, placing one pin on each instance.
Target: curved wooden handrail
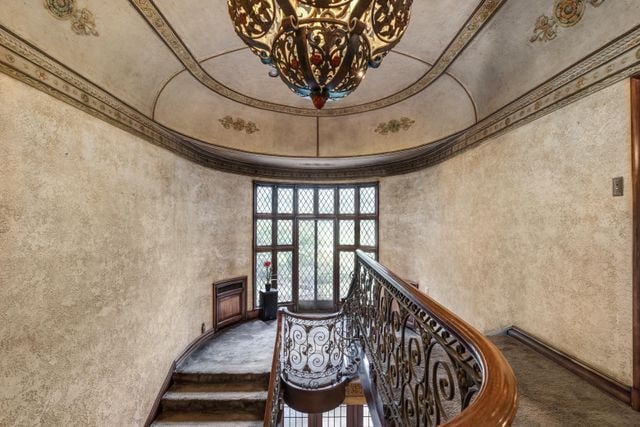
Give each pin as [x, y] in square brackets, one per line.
[496, 402]
[273, 397]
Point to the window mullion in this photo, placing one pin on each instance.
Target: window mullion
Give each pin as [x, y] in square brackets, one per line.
[274, 232]
[356, 201]
[295, 280]
[336, 254]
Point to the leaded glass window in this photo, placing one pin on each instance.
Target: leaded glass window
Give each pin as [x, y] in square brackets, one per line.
[310, 233]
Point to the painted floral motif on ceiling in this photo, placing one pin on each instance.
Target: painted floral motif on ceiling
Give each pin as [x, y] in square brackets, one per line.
[394, 126]
[239, 125]
[566, 13]
[82, 20]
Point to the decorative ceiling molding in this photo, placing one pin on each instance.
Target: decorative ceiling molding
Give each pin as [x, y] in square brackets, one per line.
[184, 70]
[610, 64]
[83, 22]
[474, 24]
[394, 126]
[566, 13]
[448, 74]
[239, 125]
[615, 61]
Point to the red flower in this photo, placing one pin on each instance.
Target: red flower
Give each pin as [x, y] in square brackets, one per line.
[267, 264]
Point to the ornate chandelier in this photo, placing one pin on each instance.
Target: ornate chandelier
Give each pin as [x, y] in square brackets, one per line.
[321, 48]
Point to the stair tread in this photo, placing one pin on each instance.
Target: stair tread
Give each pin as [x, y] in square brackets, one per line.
[220, 377]
[236, 370]
[235, 418]
[207, 423]
[215, 395]
[217, 387]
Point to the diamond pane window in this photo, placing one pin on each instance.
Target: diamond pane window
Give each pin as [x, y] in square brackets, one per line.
[347, 232]
[367, 200]
[260, 277]
[347, 200]
[285, 276]
[325, 260]
[263, 232]
[326, 200]
[310, 233]
[285, 232]
[285, 200]
[305, 201]
[306, 260]
[347, 263]
[264, 200]
[368, 232]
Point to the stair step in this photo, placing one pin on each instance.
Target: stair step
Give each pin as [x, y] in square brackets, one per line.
[207, 424]
[206, 418]
[216, 395]
[218, 387]
[258, 379]
[238, 405]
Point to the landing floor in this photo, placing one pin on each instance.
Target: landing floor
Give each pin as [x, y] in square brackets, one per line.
[552, 396]
[245, 348]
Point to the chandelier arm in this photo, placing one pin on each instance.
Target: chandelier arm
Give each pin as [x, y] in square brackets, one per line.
[303, 57]
[287, 8]
[355, 41]
[360, 9]
[255, 44]
[384, 49]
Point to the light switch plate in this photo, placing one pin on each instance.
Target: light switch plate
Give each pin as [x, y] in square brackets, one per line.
[618, 186]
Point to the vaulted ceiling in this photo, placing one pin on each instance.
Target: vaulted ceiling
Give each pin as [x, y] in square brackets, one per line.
[174, 72]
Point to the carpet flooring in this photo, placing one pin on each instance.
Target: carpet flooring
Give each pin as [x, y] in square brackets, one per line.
[246, 348]
[552, 396]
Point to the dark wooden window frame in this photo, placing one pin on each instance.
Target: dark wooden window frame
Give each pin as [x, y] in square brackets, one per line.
[296, 217]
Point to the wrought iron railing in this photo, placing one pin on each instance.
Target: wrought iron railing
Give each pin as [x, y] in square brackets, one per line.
[428, 366]
[318, 351]
[273, 407]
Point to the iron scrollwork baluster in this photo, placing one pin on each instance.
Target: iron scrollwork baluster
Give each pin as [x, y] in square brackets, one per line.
[423, 373]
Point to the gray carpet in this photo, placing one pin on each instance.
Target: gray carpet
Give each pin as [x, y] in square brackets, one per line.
[549, 394]
[246, 348]
[552, 396]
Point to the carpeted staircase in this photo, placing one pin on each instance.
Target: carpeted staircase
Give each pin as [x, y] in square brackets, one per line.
[224, 382]
[214, 400]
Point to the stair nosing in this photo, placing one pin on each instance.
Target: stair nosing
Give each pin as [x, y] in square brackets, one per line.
[215, 396]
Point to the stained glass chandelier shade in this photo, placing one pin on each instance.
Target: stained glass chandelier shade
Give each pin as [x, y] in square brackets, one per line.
[321, 48]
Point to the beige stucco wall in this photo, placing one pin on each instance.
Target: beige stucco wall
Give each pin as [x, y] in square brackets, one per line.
[524, 230]
[108, 247]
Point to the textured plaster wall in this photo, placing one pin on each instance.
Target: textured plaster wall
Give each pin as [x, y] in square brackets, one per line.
[108, 248]
[524, 230]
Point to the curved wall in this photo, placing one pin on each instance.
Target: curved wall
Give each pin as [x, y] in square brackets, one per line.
[108, 248]
[524, 230]
[109, 245]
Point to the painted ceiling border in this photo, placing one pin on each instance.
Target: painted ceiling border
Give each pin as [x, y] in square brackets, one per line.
[156, 20]
[613, 62]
